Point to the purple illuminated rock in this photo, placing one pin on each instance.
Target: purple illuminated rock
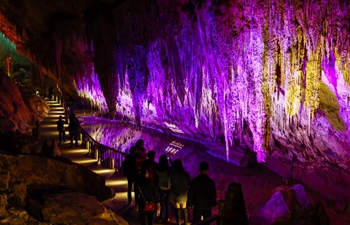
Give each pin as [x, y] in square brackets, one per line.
[289, 206]
[300, 195]
[272, 211]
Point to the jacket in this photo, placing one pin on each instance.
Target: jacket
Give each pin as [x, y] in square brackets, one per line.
[179, 184]
[129, 166]
[202, 192]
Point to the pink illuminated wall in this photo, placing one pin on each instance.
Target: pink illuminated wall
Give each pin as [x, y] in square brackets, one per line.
[88, 86]
[269, 76]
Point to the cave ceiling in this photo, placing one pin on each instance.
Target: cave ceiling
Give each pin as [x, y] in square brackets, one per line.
[269, 76]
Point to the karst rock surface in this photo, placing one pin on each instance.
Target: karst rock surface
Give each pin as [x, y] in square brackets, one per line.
[40, 190]
[20, 108]
[270, 76]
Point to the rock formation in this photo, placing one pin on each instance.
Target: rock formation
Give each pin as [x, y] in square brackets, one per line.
[37, 189]
[269, 76]
[290, 206]
[20, 108]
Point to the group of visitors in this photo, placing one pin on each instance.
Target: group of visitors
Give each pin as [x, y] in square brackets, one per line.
[157, 184]
[73, 129]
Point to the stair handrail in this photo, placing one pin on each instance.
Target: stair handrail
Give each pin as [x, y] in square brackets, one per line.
[107, 156]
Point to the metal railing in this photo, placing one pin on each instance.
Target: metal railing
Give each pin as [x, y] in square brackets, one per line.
[107, 156]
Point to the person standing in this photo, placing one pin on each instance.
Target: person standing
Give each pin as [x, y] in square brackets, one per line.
[130, 171]
[61, 130]
[150, 166]
[202, 194]
[163, 170]
[140, 154]
[145, 192]
[50, 92]
[73, 128]
[179, 184]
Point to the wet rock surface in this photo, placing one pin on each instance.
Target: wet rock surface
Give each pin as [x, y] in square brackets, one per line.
[39, 190]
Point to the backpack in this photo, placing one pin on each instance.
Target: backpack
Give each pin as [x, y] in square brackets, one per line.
[164, 180]
[150, 167]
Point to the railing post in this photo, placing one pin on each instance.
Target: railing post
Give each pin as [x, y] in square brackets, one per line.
[111, 163]
[95, 151]
[87, 144]
[83, 138]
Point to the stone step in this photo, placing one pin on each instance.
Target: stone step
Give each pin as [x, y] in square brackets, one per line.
[54, 109]
[56, 106]
[114, 179]
[53, 118]
[53, 113]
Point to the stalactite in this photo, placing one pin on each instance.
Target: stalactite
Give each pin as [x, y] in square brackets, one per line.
[208, 67]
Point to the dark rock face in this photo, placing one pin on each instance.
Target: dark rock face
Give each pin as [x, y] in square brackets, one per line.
[42, 190]
[234, 211]
[19, 111]
[16, 142]
[269, 76]
[24, 169]
[77, 208]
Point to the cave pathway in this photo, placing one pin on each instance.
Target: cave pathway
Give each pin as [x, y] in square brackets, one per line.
[80, 155]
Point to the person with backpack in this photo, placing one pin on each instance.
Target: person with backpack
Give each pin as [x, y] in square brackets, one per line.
[146, 198]
[162, 170]
[130, 171]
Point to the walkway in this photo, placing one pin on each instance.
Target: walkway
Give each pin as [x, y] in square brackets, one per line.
[80, 155]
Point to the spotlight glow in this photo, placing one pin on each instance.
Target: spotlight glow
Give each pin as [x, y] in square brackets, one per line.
[103, 171]
[116, 182]
[84, 161]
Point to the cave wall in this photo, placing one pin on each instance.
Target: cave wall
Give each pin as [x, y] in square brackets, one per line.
[272, 76]
[277, 71]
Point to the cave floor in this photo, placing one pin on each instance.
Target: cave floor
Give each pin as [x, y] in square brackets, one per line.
[258, 182]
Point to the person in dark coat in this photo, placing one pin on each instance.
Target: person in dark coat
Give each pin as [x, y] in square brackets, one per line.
[61, 130]
[73, 128]
[140, 154]
[179, 185]
[50, 92]
[163, 170]
[150, 166]
[130, 171]
[202, 194]
[145, 192]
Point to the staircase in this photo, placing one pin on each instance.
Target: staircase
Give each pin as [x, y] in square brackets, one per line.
[79, 154]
